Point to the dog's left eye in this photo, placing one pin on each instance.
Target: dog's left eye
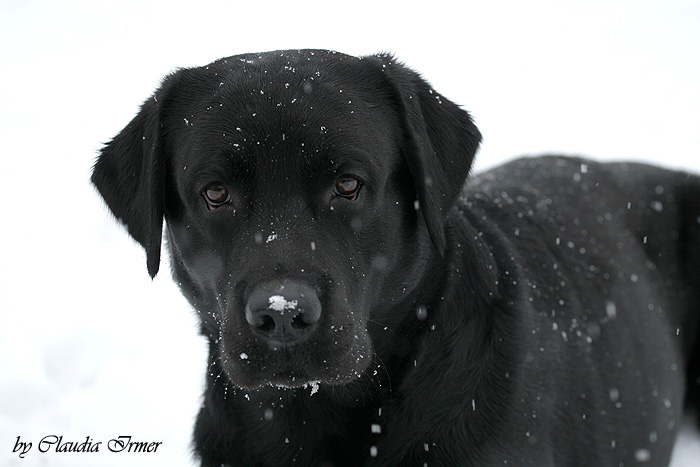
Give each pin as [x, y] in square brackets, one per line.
[348, 187]
[216, 195]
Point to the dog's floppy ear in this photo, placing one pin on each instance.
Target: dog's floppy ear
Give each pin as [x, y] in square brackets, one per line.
[441, 142]
[130, 176]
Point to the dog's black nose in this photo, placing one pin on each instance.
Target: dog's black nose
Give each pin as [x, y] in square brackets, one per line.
[283, 312]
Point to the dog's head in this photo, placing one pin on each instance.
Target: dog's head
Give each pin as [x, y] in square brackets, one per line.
[304, 193]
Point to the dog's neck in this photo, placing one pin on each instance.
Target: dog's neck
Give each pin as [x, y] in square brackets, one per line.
[285, 426]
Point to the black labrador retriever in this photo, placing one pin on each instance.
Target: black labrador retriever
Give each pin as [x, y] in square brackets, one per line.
[363, 306]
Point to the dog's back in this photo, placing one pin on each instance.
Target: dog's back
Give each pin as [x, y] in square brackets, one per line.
[616, 249]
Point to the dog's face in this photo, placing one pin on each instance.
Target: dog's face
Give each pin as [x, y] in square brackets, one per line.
[300, 197]
[287, 214]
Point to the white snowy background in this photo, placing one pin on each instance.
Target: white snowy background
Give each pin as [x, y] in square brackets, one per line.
[89, 345]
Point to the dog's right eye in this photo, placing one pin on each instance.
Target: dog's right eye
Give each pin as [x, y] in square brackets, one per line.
[348, 187]
[216, 195]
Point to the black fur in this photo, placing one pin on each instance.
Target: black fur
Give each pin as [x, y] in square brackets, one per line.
[542, 314]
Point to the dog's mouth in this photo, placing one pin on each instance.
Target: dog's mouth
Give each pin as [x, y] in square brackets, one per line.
[289, 333]
[331, 357]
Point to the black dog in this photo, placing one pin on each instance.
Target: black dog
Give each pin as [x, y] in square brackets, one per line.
[364, 308]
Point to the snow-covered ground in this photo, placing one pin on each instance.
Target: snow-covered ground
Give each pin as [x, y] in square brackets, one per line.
[90, 348]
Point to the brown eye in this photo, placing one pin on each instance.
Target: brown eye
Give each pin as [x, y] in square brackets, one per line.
[348, 187]
[215, 195]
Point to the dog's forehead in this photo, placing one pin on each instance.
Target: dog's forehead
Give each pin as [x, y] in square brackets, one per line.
[306, 105]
